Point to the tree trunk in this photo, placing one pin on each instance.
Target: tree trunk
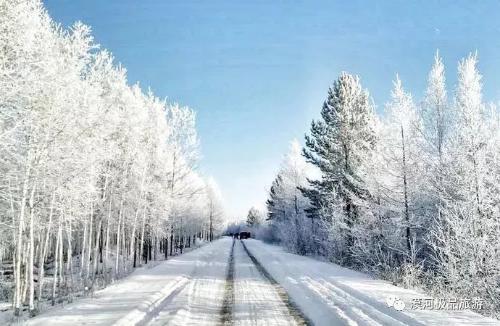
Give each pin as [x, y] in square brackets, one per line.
[20, 229]
[56, 261]
[165, 248]
[82, 253]
[31, 254]
[118, 239]
[171, 239]
[69, 262]
[405, 190]
[96, 250]
[43, 252]
[106, 251]
[89, 247]
[143, 226]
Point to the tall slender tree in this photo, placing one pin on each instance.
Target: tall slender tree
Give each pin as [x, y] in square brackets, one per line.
[340, 144]
[401, 144]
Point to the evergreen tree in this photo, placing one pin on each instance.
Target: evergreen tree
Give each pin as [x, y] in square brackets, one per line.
[340, 144]
[275, 210]
[254, 217]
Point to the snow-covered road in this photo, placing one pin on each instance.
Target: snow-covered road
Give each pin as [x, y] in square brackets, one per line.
[250, 283]
[184, 290]
[258, 300]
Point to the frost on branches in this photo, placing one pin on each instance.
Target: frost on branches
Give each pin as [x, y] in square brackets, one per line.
[412, 196]
[286, 204]
[97, 176]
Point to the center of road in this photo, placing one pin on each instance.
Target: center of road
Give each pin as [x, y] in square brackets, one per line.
[255, 295]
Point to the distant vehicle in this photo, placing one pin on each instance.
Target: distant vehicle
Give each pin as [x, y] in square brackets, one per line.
[245, 235]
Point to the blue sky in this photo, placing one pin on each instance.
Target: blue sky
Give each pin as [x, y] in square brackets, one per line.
[258, 71]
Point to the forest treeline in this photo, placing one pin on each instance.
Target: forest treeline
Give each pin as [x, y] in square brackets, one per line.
[96, 176]
[411, 195]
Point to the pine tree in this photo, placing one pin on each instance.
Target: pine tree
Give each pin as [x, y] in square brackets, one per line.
[275, 210]
[339, 145]
[254, 217]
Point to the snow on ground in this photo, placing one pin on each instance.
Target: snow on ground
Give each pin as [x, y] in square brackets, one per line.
[270, 287]
[5, 313]
[139, 296]
[331, 295]
[199, 302]
[257, 301]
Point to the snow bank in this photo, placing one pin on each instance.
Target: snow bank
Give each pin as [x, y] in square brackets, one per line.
[329, 294]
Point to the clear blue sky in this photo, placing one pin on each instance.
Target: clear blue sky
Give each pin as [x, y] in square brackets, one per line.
[258, 71]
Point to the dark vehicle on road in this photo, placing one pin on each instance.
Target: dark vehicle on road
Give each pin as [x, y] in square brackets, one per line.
[245, 235]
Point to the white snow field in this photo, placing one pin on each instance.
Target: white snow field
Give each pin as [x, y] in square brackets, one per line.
[226, 284]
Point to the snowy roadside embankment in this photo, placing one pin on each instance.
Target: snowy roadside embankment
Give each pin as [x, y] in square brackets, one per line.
[135, 298]
[332, 295]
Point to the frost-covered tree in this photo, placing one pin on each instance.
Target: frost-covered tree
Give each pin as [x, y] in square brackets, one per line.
[436, 126]
[435, 113]
[215, 209]
[286, 204]
[465, 240]
[416, 198]
[254, 217]
[97, 176]
[340, 145]
[401, 160]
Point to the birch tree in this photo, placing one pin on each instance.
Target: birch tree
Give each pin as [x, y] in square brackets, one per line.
[96, 175]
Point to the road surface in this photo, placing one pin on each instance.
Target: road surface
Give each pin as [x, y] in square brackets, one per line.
[251, 283]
